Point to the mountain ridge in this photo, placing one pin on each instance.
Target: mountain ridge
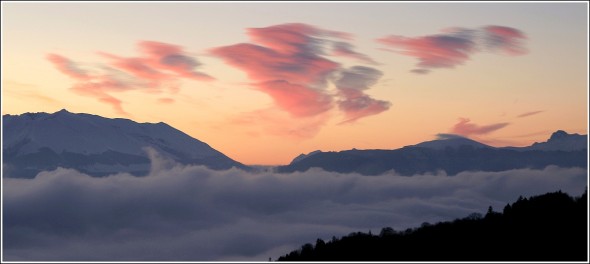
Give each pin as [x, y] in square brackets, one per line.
[451, 154]
[92, 144]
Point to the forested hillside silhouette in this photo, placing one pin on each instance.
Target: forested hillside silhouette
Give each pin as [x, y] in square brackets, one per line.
[548, 227]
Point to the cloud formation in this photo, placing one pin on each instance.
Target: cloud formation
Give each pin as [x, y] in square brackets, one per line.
[530, 113]
[354, 102]
[158, 69]
[194, 214]
[288, 62]
[437, 51]
[465, 128]
[67, 67]
[345, 49]
[504, 39]
[455, 46]
[447, 136]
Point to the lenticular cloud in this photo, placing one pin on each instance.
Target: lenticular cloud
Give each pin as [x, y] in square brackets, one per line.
[195, 214]
[455, 46]
[290, 63]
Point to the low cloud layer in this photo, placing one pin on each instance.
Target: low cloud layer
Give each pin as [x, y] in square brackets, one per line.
[192, 213]
[158, 69]
[455, 46]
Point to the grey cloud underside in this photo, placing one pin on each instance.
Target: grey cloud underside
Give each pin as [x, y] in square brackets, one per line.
[193, 213]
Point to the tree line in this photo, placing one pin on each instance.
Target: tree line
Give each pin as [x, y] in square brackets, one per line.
[548, 227]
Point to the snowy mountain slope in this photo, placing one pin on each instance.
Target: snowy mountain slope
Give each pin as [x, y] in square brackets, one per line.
[96, 145]
[450, 141]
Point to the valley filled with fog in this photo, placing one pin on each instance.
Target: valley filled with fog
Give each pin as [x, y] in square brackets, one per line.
[186, 212]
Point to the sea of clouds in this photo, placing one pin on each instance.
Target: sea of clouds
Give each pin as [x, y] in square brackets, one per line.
[191, 213]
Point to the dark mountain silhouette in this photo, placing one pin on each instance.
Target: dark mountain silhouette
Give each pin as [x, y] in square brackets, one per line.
[33, 142]
[549, 227]
[559, 140]
[452, 154]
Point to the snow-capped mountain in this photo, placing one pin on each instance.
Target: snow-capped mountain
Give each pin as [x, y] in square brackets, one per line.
[450, 141]
[33, 142]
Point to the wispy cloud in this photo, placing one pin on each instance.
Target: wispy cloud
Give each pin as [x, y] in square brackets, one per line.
[190, 213]
[67, 67]
[455, 46]
[288, 62]
[530, 113]
[27, 91]
[159, 68]
[465, 128]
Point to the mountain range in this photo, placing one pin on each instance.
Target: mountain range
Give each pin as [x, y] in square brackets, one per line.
[33, 142]
[452, 154]
[98, 146]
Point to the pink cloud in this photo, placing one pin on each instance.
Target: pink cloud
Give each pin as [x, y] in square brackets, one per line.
[159, 68]
[505, 39]
[297, 99]
[437, 51]
[138, 68]
[67, 67]
[172, 58]
[99, 87]
[287, 63]
[465, 128]
[292, 38]
[345, 49]
[264, 64]
[455, 46]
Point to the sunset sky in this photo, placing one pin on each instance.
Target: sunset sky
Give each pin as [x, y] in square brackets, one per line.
[265, 82]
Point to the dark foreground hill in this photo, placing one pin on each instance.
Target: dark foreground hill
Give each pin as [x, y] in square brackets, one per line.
[549, 227]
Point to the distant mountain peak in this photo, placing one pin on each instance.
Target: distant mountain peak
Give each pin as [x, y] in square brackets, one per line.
[559, 134]
[303, 156]
[561, 140]
[97, 145]
[450, 141]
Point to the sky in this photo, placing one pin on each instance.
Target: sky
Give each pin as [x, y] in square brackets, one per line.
[265, 82]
